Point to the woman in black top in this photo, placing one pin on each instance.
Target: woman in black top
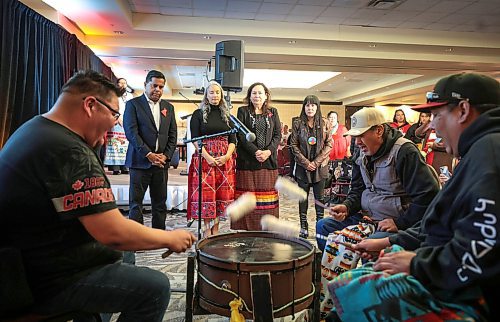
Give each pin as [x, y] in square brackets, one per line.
[257, 162]
[311, 143]
[411, 135]
[218, 160]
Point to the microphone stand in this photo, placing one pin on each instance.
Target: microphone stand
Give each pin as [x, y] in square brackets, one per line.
[200, 140]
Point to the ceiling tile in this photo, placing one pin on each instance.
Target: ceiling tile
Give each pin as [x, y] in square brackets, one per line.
[419, 5]
[367, 13]
[243, 6]
[455, 19]
[208, 13]
[282, 1]
[412, 24]
[448, 6]
[212, 4]
[398, 15]
[439, 26]
[300, 10]
[275, 8]
[270, 17]
[428, 17]
[350, 3]
[338, 12]
[330, 20]
[386, 23]
[482, 8]
[146, 2]
[239, 15]
[176, 11]
[176, 3]
[291, 18]
[358, 22]
[315, 2]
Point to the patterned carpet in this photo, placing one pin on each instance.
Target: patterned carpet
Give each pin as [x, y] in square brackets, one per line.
[175, 266]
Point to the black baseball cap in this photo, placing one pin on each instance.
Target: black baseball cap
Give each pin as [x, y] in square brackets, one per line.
[475, 88]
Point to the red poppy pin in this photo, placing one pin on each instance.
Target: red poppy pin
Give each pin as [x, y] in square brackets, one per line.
[270, 114]
[164, 112]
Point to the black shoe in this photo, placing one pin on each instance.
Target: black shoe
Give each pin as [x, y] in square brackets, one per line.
[116, 172]
[124, 171]
[304, 233]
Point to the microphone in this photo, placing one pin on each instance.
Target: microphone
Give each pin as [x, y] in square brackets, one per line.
[249, 136]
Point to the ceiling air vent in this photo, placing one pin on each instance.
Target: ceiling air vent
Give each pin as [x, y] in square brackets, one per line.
[384, 4]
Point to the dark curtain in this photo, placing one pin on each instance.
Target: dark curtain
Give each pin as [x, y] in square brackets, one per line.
[37, 57]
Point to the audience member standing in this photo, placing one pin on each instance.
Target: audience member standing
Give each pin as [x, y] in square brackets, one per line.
[151, 129]
[424, 120]
[218, 160]
[257, 161]
[341, 144]
[311, 143]
[116, 141]
[399, 121]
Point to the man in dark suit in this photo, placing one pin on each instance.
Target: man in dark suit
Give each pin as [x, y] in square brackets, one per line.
[151, 129]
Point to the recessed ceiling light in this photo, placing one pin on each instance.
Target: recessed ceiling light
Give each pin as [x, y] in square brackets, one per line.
[372, 45]
[292, 42]
[448, 49]
[275, 78]
[118, 32]
[207, 37]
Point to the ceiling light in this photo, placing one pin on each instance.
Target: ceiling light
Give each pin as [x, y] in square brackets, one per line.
[274, 78]
[118, 32]
[207, 37]
[292, 42]
[448, 49]
[372, 45]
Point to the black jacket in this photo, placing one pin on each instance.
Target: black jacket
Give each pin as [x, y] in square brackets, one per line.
[246, 150]
[457, 242]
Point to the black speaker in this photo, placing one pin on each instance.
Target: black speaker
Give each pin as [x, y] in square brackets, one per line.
[229, 64]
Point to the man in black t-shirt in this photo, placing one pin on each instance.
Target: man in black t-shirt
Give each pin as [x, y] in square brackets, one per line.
[58, 210]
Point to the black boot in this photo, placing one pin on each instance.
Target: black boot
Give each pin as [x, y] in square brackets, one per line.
[304, 227]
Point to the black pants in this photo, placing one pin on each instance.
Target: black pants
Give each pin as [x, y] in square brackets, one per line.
[318, 188]
[156, 179]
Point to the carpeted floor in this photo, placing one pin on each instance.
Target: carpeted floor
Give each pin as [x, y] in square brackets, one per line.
[175, 266]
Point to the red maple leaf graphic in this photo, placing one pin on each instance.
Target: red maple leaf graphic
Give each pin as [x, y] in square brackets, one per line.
[164, 112]
[77, 185]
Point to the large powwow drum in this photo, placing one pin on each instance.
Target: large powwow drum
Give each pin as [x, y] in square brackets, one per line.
[227, 262]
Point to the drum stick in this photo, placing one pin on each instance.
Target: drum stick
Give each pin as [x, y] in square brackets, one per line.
[350, 247]
[245, 204]
[290, 188]
[287, 229]
[167, 253]
[322, 205]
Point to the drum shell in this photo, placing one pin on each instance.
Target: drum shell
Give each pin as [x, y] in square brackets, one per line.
[289, 279]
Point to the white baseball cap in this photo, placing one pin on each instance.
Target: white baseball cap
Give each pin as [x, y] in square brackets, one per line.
[364, 119]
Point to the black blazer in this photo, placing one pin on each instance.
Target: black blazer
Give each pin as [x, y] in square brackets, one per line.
[141, 131]
[246, 150]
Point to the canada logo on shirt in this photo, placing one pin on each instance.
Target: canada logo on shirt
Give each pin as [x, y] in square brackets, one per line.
[93, 192]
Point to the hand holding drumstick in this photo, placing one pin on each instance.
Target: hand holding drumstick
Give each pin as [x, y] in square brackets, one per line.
[338, 212]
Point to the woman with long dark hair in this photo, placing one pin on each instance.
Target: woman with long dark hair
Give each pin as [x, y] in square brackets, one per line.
[399, 121]
[311, 143]
[257, 162]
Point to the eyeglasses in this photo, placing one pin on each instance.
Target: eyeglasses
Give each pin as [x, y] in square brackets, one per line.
[116, 114]
[435, 97]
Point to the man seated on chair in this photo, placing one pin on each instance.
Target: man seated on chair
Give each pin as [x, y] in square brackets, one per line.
[57, 208]
[449, 268]
[390, 181]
